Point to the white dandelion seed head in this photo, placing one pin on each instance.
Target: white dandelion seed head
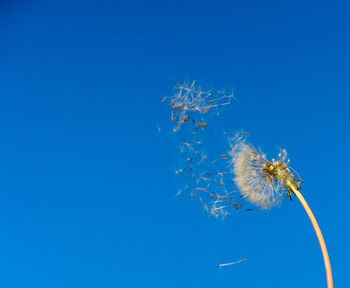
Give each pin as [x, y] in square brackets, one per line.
[260, 181]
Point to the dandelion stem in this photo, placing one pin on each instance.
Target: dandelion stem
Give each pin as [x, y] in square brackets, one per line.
[327, 263]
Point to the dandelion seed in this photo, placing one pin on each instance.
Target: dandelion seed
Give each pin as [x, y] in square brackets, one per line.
[232, 263]
[218, 211]
[178, 171]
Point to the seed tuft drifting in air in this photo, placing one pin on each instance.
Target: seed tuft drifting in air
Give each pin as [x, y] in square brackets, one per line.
[191, 104]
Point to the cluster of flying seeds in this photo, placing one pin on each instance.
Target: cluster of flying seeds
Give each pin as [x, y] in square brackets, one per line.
[190, 102]
[206, 178]
[262, 182]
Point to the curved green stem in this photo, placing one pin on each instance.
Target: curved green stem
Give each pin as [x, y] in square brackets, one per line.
[327, 263]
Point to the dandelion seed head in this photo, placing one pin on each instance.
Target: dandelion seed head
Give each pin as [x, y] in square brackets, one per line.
[260, 181]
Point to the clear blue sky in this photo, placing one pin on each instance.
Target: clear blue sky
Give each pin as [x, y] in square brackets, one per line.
[87, 191]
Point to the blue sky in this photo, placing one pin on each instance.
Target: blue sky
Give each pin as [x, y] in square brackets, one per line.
[87, 189]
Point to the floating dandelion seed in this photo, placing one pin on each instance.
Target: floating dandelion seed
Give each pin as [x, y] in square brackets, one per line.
[232, 263]
[264, 183]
